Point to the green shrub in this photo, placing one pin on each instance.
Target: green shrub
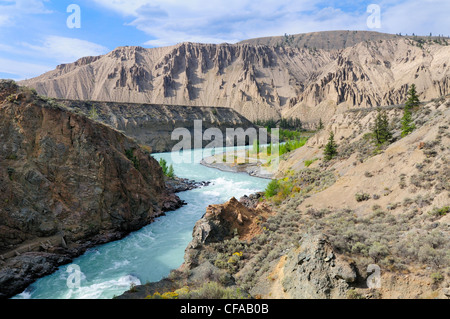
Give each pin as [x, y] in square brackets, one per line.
[167, 170]
[11, 98]
[272, 189]
[378, 251]
[292, 145]
[362, 197]
[309, 162]
[353, 294]
[214, 290]
[93, 113]
[438, 212]
[436, 277]
[170, 172]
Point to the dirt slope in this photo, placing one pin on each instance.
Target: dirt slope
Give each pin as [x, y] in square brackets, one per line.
[259, 81]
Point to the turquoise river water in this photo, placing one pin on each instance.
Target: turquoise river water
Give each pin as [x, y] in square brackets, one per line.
[149, 254]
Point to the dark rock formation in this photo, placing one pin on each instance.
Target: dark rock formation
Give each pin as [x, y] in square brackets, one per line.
[18, 272]
[67, 183]
[152, 125]
[314, 271]
[311, 271]
[177, 185]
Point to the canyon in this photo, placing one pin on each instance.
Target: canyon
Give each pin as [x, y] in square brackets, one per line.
[77, 172]
[67, 183]
[262, 79]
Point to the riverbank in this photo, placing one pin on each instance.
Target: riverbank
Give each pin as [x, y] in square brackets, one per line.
[67, 183]
[255, 168]
[202, 275]
[42, 257]
[178, 185]
[147, 255]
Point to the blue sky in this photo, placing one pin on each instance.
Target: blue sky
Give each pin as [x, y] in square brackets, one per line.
[35, 38]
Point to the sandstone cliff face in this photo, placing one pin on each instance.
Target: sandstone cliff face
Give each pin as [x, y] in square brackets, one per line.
[67, 182]
[255, 81]
[258, 81]
[372, 74]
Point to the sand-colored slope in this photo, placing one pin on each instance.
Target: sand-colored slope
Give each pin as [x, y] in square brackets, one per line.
[260, 82]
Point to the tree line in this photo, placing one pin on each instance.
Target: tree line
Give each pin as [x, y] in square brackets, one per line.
[382, 128]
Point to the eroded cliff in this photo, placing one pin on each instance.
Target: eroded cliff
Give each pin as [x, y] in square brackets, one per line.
[67, 183]
[260, 81]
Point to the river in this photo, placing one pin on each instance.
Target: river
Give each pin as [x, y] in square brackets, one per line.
[149, 254]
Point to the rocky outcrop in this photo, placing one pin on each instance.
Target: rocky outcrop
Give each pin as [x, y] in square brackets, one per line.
[152, 125]
[311, 271]
[67, 183]
[18, 272]
[178, 185]
[314, 271]
[259, 81]
[222, 222]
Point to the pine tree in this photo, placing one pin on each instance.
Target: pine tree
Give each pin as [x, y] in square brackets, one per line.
[163, 164]
[381, 130]
[331, 148]
[412, 103]
[320, 124]
[407, 123]
[413, 99]
[170, 172]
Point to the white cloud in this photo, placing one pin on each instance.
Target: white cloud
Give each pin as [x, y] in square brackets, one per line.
[215, 21]
[53, 48]
[12, 9]
[22, 70]
[4, 19]
[171, 21]
[416, 16]
[64, 50]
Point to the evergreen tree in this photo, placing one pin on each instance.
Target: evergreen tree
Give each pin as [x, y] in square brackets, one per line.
[163, 164]
[412, 103]
[381, 130]
[413, 99]
[331, 148]
[320, 124]
[170, 172]
[407, 123]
